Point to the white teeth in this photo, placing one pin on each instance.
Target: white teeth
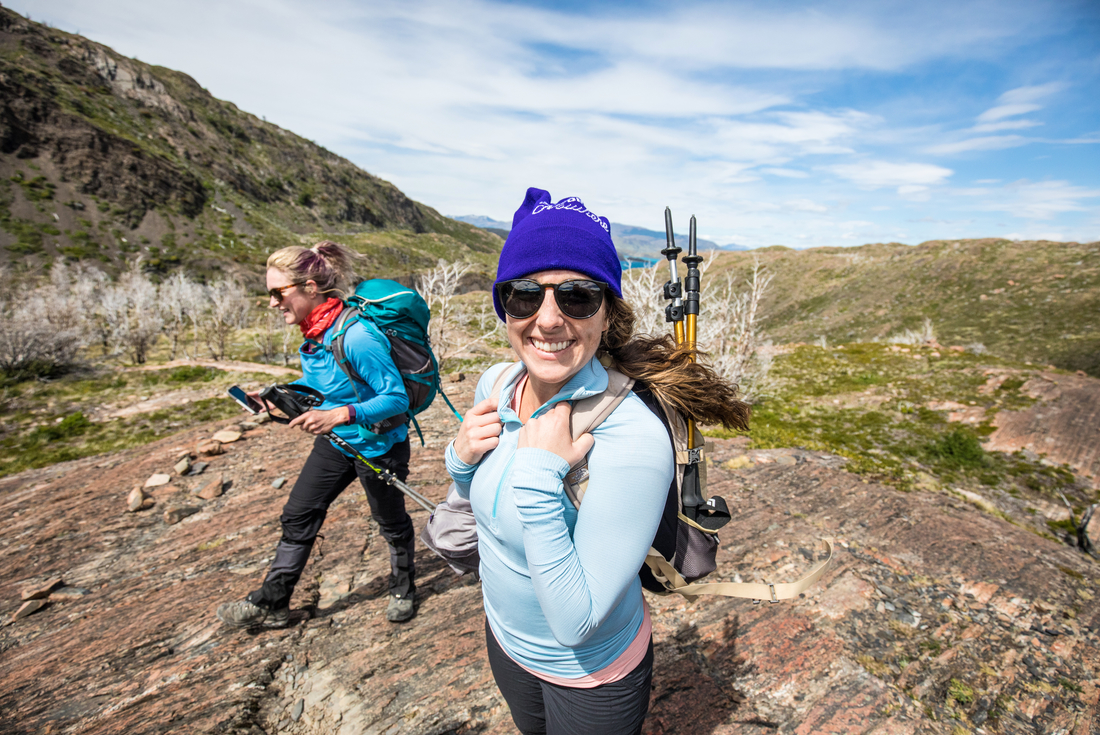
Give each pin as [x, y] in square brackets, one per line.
[551, 346]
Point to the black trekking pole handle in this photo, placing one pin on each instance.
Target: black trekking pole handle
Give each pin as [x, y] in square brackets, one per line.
[694, 505]
[674, 312]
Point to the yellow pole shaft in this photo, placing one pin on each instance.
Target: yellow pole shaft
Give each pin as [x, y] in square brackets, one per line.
[690, 318]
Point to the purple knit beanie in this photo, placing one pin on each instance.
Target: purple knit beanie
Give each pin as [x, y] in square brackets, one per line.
[560, 235]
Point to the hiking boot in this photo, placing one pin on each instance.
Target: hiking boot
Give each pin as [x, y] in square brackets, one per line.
[244, 614]
[400, 609]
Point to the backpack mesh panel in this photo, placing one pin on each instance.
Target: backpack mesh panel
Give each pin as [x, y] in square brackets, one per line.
[696, 552]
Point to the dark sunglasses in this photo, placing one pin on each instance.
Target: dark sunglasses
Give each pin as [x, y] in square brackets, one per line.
[280, 292]
[577, 298]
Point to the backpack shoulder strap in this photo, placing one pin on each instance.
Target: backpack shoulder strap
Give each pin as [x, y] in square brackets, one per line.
[498, 384]
[349, 316]
[588, 413]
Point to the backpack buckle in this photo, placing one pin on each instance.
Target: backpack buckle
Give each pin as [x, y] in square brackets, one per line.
[771, 588]
[694, 455]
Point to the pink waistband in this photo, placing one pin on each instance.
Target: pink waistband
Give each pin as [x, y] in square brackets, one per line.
[627, 661]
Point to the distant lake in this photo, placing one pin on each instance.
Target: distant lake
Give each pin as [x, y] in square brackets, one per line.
[637, 261]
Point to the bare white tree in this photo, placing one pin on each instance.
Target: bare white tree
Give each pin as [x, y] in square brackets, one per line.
[643, 289]
[133, 313]
[438, 288]
[275, 337]
[728, 324]
[40, 329]
[926, 335]
[181, 300]
[227, 310]
[731, 332]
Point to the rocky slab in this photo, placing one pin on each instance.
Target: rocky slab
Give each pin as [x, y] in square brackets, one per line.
[935, 617]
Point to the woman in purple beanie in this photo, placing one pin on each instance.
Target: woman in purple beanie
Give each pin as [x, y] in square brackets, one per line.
[567, 627]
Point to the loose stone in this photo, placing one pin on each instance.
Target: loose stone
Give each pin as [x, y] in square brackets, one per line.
[40, 591]
[135, 500]
[158, 480]
[28, 607]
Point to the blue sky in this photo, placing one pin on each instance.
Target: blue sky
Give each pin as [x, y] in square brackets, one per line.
[800, 124]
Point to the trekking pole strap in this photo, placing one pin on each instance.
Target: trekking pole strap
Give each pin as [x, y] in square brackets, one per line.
[756, 591]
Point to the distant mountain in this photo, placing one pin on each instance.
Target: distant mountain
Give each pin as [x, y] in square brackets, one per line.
[629, 240]
[105, 158]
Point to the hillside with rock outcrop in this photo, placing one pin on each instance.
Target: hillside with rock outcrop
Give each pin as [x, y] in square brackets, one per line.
[104, 157]
[1029, 301]
[936, 615]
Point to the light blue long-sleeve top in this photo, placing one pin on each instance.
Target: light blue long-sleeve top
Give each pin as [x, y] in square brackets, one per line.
[561, 586]
[381, 395]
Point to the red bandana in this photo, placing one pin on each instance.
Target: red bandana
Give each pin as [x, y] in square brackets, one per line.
[321, 318]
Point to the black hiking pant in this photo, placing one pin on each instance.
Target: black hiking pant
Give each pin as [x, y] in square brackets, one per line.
[326, 474]
[541, 708]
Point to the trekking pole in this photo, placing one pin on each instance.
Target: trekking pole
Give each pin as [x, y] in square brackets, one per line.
[674, 312]
[691, 494]
[389, 477]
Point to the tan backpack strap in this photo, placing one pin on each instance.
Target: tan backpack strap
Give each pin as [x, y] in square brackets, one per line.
[667, 575]
[498, 384]
[588, 413]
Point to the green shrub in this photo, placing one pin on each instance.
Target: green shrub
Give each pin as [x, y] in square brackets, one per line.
[957, 449]
[193, 373]
[70, 426]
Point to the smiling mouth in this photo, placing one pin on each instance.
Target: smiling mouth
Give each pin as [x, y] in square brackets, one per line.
[551, 346]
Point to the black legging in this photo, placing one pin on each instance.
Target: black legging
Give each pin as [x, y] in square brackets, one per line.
[326, 474]
[541, 708]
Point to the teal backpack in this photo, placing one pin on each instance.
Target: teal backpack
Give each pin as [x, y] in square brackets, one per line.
[402, 315]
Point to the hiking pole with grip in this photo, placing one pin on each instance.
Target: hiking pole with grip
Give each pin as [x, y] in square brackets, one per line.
[674, 312]
[691, 493]
[294, 400]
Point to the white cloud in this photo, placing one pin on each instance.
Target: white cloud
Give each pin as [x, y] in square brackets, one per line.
[805, 205]
[786, 173]
[984, 143]
[1020, 101]
[1007, 125]
[1039, 199]
[878, 174]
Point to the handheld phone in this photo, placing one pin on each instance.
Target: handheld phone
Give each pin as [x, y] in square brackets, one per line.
[247, 402]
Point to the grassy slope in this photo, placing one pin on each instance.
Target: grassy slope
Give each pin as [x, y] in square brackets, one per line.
[876, 405]
[1046, 310]
[46, 423]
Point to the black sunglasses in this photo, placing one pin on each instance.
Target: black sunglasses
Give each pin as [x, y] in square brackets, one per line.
[576, 298]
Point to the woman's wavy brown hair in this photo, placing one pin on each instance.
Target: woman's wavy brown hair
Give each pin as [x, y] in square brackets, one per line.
[668, 371]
